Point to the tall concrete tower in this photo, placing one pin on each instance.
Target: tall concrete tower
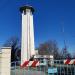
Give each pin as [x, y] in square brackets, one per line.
[27, 43]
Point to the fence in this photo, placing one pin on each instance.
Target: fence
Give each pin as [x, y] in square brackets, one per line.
[57, 68]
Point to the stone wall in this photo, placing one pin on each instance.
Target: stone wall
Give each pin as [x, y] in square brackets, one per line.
[5, 61]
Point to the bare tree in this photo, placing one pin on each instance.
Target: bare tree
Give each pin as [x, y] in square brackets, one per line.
[49, 47]
[73, 56]
[13, 42]
[65, 54]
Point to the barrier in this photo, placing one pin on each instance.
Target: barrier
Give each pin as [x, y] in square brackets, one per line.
[69, 61]
[30, 63]
[58, 68]
[17, 70]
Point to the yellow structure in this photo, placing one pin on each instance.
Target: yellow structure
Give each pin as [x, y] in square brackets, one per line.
[5, 61]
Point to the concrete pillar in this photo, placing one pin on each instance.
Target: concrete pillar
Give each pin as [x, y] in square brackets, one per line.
[5, 61]
[27, 45]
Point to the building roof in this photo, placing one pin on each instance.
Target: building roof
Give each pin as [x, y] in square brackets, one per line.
[43, 56]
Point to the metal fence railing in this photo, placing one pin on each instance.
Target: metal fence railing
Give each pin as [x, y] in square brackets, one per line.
[17, 70]
[58, 68]
[63, 69]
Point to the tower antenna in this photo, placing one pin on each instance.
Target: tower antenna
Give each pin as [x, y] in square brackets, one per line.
[64, 50]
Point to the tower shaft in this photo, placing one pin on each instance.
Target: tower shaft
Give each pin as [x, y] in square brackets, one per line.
[27, 45]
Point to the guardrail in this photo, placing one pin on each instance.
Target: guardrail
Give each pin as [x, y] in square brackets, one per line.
[58, 68]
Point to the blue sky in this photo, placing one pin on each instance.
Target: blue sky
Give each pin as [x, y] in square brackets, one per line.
[49, 18]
